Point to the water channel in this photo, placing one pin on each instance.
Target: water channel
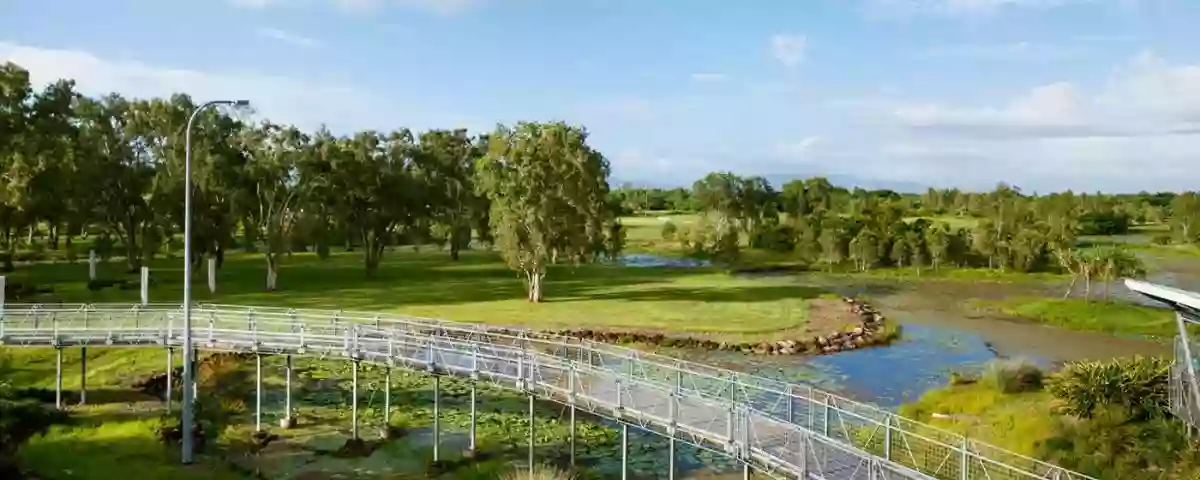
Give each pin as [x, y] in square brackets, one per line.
[940, 335]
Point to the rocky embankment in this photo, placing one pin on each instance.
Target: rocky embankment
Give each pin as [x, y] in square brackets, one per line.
[870, 331]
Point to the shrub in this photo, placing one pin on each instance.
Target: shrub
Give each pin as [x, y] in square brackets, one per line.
[669, 230]
[1013, 376]
[1111, 446]
[1161, 239]
[1138, 386]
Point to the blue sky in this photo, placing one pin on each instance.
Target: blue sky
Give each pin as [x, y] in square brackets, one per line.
[1044, 94]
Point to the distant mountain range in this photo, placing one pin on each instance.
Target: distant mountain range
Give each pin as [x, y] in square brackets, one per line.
[777, 180]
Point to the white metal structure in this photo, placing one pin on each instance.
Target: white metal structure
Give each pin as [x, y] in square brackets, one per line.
[776, 428]
[1185, 385]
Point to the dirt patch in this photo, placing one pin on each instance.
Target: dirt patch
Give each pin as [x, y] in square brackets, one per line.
[827, 315]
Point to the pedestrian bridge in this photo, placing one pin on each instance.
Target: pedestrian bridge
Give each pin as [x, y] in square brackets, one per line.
[771, 427]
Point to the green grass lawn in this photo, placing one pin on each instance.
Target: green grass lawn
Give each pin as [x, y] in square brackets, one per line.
[477, 288]
[1095, 315]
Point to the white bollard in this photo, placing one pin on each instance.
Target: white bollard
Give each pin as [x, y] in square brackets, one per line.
[145, 286]
[91, 265]
[212, 275]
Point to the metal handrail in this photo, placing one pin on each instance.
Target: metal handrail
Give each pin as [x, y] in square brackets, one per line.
[889, 442]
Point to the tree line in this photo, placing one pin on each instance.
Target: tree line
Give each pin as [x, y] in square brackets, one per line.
[831, 227]
[113, 168]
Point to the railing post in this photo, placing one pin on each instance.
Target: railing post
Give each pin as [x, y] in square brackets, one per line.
[253, 328]
[825, 414]
[791, 405]
[802, 460]
[387, 397]
[965, 465]
[671, 432]
[887, 437]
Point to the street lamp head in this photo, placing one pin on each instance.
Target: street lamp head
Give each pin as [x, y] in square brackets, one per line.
[241, 103]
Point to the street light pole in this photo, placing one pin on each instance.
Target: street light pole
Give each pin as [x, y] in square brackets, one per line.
[188, 352]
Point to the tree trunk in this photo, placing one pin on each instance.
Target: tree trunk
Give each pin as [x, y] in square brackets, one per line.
[534, 286]
[54, 236]
[272, 271]
[10, 250]
[1071, 287]
[1087, 287]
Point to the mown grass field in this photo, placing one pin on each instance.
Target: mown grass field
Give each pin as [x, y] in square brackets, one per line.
[477, 288]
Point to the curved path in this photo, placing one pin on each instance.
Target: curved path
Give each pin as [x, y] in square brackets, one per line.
[781, 429]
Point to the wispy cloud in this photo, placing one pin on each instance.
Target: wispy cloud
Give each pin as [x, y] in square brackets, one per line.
[288, 37]
[789, 49]
[253, 4]
[1001, 51]
[708, 77]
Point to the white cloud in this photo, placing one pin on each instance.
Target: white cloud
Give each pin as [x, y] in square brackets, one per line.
[281, 99]
[288, 37]
[708, 77]
[797, 150]
[1002, 51]
[1139, 129]
[789, 49]
[1146, 97]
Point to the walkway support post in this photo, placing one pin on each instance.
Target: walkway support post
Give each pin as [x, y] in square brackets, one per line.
[288, 420]
[354, 402]
[170, 367]
[624, 451]
[437, 417]
[531, 433]
[387, 398]
[571, 406]
[471, 434]
[257, 392]
[83, 375]
[58, 401]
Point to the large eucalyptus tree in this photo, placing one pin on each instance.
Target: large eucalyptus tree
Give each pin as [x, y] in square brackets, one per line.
[548, 190]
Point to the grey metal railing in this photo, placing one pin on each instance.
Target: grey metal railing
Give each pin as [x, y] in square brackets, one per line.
[782, 429]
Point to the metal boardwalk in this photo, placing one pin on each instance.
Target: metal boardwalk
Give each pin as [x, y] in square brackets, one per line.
[775, 428]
